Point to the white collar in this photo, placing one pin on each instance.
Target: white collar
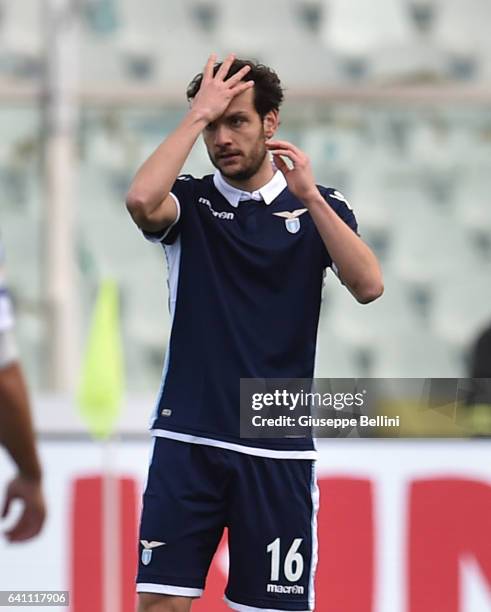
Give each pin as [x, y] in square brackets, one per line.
[267, 192]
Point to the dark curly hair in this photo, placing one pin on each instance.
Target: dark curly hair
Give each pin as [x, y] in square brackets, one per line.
[268, 93]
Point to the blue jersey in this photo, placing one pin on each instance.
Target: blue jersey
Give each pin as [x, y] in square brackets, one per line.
[245, 281]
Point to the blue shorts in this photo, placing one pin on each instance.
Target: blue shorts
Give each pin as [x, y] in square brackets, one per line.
[268, 505]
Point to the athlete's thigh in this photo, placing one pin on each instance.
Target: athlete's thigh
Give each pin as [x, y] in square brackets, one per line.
[150, 602]
[273, 534]
[182, 519]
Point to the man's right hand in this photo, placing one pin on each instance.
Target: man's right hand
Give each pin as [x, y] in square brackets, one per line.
[216, 93]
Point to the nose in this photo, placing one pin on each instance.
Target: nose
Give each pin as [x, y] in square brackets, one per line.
[222, 136]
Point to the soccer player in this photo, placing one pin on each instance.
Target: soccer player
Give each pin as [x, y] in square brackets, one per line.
[16, 432]
[246, 249]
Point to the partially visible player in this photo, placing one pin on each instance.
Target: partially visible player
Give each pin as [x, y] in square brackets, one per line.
[247, 249]
[16, 431]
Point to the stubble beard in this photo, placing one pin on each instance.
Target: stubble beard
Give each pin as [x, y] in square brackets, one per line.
[251, 165]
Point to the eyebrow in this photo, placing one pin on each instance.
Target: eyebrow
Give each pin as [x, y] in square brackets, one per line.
[238, 113]
[235, 114]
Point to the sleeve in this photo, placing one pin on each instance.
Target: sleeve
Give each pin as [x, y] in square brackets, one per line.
[6, 310]
[338, 202]
[8, 347]
[181, 191]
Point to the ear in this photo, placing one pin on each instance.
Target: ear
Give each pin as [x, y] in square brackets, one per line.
[270, 123]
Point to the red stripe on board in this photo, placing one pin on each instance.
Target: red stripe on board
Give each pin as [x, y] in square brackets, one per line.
[86, 544]
[450, 520]
[345, 576]
[129, 543]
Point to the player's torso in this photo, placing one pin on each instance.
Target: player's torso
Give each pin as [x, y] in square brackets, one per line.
[247, 306]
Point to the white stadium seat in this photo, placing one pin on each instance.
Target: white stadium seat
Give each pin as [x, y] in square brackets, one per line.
[155, 19]
[370, 199]
[335, 358]
[415, 353]
[100, 60]
[21, 38]
[244, 26]
[358, 27]
[462, 26]
[362, 325]
[168, 35]
[473, 200]
[381, 34]
[21, 25]
[293, 51]
[428, 244]
[462, 306]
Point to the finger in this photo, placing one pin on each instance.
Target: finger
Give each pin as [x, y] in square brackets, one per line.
[290, 165]
[280, 164]
[28, 525]
[283, 144]
[295, 159]
[6, 505]
[208, 70]
[225, 67]
[20, 532]
[238, 76]
[16, 531]
[294, 154]
[242, 86]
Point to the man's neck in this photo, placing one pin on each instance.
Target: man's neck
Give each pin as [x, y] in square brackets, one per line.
[261, 178]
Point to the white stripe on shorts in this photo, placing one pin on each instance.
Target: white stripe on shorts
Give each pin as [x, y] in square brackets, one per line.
[167, 589]
[242, 608]
[315, 547]
[240, 448]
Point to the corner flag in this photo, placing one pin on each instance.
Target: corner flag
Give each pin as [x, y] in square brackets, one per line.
[102, 380]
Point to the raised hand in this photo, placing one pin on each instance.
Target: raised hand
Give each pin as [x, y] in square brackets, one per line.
[298, 175]
[216, 93]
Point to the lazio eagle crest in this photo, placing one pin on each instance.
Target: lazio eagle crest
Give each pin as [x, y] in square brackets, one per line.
[292, 221]
[148, 550]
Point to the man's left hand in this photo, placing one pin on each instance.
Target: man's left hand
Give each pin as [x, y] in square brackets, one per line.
[299, 176]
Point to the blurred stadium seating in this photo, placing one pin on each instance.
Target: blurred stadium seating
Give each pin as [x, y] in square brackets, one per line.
[418, 175]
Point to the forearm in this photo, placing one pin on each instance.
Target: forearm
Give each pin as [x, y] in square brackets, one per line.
[16, 430]
[155, 177]
[357, 265]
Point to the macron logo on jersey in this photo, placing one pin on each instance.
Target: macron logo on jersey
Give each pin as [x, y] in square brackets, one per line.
[221, 215]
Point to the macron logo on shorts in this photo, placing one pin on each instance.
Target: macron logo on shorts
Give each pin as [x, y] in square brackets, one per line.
[148, 550]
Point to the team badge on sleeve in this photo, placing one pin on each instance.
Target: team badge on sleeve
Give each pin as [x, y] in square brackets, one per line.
[292, 221]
